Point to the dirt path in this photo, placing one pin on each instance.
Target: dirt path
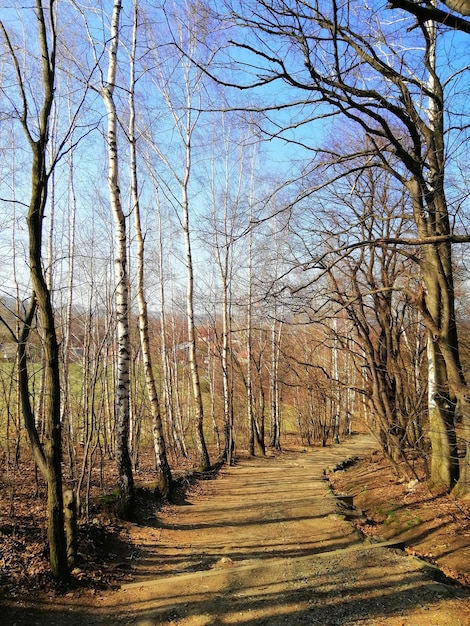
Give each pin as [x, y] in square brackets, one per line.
[265, 543]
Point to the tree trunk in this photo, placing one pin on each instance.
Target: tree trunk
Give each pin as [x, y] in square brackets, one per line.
[163, 468]
[204, 461]
[173, 414]
[226, 374]
[276, 331]
[444, 461]
[122, 403]
[70, 509]
[47, 454]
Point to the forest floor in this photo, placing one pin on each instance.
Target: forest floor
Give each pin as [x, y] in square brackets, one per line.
[265, 541]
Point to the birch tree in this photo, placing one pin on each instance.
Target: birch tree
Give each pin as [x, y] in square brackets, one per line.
[255, 422]
[163, 468]
[169, 364]
[182, 98]
[227, 177]
[124, 465]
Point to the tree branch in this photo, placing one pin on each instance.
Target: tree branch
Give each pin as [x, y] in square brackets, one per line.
[427, 12]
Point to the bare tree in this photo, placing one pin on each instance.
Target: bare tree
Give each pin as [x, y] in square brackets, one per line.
[48, 453]
[163, 468]
[169, 364]
[183, 101]
[227, 225]
[369, 286]
[126, 480]
[333, 59]
[255, 426]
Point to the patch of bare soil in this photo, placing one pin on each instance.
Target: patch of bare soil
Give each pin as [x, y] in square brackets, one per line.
[263, 542]
[434, 526]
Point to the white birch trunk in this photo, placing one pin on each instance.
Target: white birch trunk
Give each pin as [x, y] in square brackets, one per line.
[126, 482]
[204, 462]
[163, 468]
[66, 417]
[170, 393]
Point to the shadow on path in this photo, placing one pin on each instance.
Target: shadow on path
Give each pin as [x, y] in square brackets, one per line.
[268, 545]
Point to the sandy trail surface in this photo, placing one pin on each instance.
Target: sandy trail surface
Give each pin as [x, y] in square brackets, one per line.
[266, 542]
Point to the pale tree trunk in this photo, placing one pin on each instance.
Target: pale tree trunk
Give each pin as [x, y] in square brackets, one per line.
[351, 374]
[163, 468]
[187, 133]
[335, 393]
[212, 377]
[124, 465]
[255, 434]
[47, 454]
[180, 98]
[204, 461]
[181, 172]
[66, 416]
[224, 239]
[226, 379]
[444, 464]
[249, 350]
[224, 263]
[275, 340]
[170, 394]
[276, 334]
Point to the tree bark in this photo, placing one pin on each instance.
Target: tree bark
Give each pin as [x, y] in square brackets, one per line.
[122, 403]
[164, 473]
[204, 461]
[48, 453]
